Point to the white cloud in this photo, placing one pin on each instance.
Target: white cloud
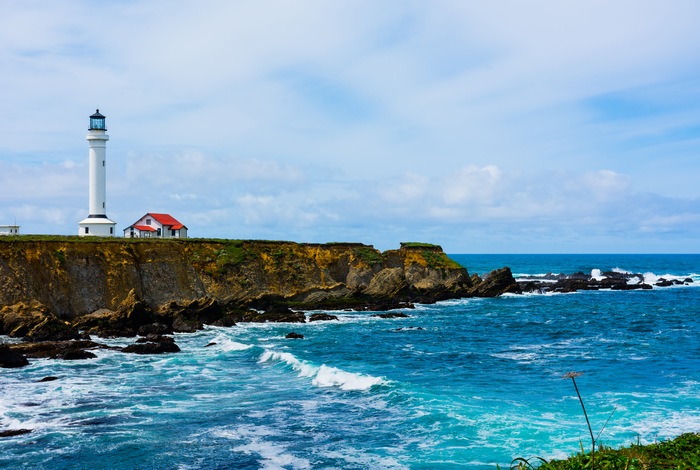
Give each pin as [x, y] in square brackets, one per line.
[348, 118]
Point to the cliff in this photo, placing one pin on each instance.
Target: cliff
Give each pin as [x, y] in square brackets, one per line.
[71, 277]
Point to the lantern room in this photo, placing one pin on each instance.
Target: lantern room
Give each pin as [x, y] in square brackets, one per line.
[97, 122]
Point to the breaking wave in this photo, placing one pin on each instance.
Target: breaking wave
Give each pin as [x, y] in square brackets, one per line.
[323, 375]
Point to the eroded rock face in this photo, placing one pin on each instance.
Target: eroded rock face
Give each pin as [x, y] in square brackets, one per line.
[191, 316]
[208, 279]
[389, 282]
[57, 293]
[19, 319]
[497, 282]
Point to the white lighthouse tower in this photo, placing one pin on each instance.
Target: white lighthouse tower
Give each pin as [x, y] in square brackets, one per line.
[97, 223]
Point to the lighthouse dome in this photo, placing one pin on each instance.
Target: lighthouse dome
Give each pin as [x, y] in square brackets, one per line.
[97, 122]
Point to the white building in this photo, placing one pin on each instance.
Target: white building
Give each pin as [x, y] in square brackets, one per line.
[9, 229]
[154, 225]
[97, 223]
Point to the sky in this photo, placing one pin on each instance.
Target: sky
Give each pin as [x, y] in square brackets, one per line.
[484, 127]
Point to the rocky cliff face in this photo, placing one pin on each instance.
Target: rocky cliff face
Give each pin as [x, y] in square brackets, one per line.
[73, 277]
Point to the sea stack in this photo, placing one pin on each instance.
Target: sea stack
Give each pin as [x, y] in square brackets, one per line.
[97, 223]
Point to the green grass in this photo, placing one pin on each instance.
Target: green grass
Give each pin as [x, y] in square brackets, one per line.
[369, 255]
[418, 245]
[233, 254]
[682, 452]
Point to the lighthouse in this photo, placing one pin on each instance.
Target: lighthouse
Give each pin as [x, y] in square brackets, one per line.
[97, 223]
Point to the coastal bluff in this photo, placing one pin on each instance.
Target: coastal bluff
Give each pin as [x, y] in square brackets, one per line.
[184, 283]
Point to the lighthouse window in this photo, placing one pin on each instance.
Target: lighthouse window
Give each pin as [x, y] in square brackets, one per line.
[103, 163]
[87, 229]
[97, 123]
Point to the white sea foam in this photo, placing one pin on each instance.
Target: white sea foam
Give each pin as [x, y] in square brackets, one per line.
[228, 345]
[323, 375]
[333, 377]
[522, 357]
[257, 440]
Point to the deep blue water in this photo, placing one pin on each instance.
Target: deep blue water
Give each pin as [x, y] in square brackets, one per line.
[459, 384]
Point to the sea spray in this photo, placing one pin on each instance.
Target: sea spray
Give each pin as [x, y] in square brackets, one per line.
[323, 375]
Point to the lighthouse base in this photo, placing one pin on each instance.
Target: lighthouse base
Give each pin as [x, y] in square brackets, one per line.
[96, 227]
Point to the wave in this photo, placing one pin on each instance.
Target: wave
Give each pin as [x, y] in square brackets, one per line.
[227, 345]
[323, 375]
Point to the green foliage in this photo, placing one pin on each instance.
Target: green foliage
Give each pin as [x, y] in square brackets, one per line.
[278, 256]
[233, 254]
[60, 256]
[438, 259]
[682, 452]
[369, 255]
[419, 245]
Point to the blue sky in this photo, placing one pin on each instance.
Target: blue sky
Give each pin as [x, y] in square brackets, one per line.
[485, 127]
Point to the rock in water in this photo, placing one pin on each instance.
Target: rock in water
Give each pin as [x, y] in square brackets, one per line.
[76, 354]
[322, 317]
[294, 335]
[14, 432]
[497, 282]
[391, 315]
[12, 359]
[152, 348]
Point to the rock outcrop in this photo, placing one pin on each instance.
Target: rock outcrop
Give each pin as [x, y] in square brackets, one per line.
[496, 283]
[201, 281]
[58, 291]
[10, 359]
[613, 280]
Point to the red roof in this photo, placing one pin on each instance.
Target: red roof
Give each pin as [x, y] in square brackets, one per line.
[144, 228]
[167, 220]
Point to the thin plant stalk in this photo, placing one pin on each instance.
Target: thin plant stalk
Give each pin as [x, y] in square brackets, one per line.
[572, 376]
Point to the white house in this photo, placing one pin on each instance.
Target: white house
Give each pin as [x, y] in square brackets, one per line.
[9, 229]
[154, 225]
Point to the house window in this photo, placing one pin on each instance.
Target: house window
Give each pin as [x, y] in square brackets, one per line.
[148, 221]
[158, 232]
[111, 230]
[87, 229]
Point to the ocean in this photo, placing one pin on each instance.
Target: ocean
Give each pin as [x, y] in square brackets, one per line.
[467, 383]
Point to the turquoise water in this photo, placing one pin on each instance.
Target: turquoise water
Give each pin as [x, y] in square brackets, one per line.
[459, 384]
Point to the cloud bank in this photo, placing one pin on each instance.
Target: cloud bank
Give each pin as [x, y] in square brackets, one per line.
[502, 127]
